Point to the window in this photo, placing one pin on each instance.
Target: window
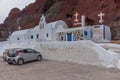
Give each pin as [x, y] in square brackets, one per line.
[18, 38]
[25, 51]
[104, 32]
[47, 35]
[31, 36]
[91, 33]
[62, 38]
[30, 51]
[96, 26]
[37, 36]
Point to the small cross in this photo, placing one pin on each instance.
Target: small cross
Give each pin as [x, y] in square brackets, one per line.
[76, 17]
[101, 17]
[19, 28]
[76, 21]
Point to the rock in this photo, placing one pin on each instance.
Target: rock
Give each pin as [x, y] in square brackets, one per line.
[63, 10]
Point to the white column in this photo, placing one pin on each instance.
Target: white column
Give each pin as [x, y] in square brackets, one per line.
[83, 20]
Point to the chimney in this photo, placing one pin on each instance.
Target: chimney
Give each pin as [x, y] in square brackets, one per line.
[83, 20]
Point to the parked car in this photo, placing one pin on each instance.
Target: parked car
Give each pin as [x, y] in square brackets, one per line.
[5, 54]
[20, 56]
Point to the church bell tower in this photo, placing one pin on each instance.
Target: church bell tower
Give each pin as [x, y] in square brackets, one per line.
[42, 25]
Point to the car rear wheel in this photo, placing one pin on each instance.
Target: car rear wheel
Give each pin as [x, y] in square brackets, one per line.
[39, 58]
[20, 62]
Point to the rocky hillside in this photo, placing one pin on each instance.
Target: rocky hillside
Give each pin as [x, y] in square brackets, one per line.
[64, 10]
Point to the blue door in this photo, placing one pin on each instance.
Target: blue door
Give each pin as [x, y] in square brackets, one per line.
[69, 36]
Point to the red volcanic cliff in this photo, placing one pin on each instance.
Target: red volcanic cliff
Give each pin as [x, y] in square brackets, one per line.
[64, 10]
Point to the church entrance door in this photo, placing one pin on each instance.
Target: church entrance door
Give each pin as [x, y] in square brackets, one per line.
[69, 36]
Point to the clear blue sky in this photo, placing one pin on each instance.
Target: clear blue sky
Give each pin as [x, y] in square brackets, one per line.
[7, 5]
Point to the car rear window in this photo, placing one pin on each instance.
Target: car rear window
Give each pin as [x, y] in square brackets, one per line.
[12, 51]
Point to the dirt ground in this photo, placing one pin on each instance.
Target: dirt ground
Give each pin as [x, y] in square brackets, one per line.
[115, 41]
[55, 70]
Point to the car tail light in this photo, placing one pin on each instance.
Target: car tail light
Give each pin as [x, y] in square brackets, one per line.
[17, 53]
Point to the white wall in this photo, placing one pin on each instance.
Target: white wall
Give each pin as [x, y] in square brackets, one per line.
[107, 33]
[14, 38]
[83, 52]
[2, 44]
[98, 33]
[48, 30]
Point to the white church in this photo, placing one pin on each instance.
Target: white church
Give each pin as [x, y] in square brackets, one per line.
[58, 31]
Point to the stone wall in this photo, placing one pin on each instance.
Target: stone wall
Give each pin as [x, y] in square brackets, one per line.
[82, 52]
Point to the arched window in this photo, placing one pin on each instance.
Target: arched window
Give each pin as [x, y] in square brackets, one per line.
[47, 35]
[31, 36]
[18, 38]
[37, 36]
[62, 39]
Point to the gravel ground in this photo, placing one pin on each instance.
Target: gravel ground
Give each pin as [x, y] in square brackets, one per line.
[55, 70]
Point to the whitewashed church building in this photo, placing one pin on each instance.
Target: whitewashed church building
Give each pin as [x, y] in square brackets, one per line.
[58, 31]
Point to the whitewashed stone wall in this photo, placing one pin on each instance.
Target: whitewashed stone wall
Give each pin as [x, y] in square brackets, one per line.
[83, 52]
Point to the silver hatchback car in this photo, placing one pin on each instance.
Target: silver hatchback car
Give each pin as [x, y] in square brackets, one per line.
[19, 56]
